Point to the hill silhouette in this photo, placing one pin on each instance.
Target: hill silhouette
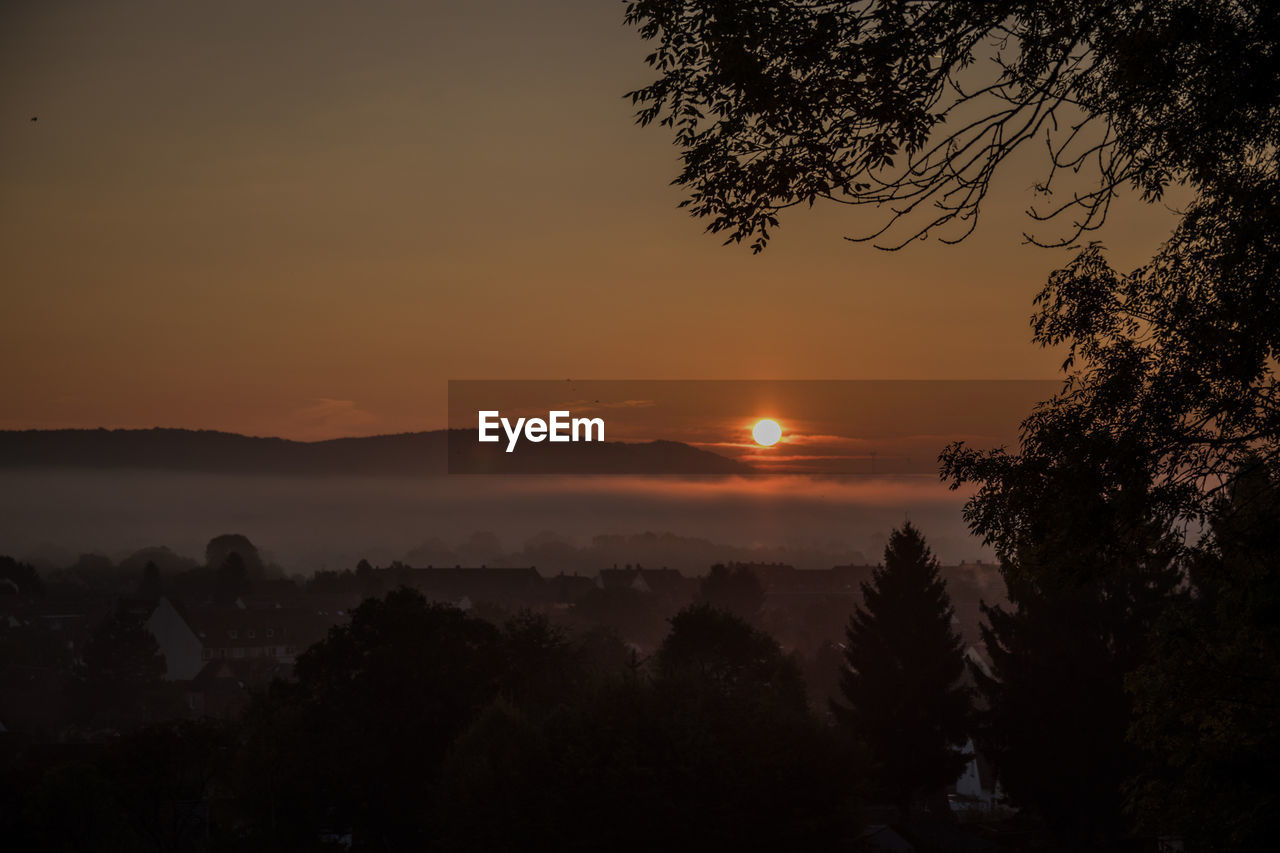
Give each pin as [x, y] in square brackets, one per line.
[406, 454]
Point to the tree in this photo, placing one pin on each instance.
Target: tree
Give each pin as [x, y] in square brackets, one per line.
[149, 587]
[1170, 393]
[1168, 403]
[1171, 380]
[1056, 713]
[376, 706]
[1089, 556]
[635, 615]
[716, 751]
[21, 578]
[222, 547]
[121, 671]
[497, 794]
[737, 591]
[163, 777]
[231, 581]
[914, 107]
[720, 650]
[903, 700]
[38, 819]
[1207, 702]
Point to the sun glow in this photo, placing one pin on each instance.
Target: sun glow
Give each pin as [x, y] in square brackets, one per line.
[766, 432]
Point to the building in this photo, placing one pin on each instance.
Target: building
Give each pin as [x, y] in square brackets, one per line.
[191, 637]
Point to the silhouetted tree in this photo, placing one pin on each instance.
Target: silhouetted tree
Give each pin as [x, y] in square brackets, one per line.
[1057, 713]
[638, 617]
[1170, 373]
[18, 577]
[903, 700]
[500, 790]
[231, 581]
[913, 108]
[723, 652]
[39, 819]
[149, 587]
[1088, 554]
[121, 673]
[737, 591]
[370, 584]
[376, 705]
[1169, 399]
[543, 666]
[163, 777]
[715, 751]
[222, 547]
[1207, 702]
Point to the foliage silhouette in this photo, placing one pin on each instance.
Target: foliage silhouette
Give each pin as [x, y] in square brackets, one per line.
[231, 580]
[1168, 404]
[902, 697]
[150, 586]
[913, 108]
[1207, 702]
[21, 578]
[120, 675]
[221, 547]
[737, 591]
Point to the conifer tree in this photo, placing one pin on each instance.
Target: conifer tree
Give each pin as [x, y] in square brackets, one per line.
[904, 702]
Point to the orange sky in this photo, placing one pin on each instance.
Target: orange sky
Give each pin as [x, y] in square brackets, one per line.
[301, 218]
[894, 427]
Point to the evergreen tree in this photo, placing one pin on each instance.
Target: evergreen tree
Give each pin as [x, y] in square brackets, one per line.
[1056, 710]
[1207, 701]
[903, 698]
[1088, 548]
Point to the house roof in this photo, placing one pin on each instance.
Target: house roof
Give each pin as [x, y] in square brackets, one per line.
[234, 627]
[659, 581]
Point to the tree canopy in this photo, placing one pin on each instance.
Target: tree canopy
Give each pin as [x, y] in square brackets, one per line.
[1171, 390]
[913, 107]
[902, 696]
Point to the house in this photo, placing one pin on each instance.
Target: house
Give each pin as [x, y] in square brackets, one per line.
[665, 583]
[977, 791]
[191, 637]
[221, 688]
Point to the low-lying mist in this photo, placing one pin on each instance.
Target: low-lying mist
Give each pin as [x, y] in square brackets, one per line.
[559, 524]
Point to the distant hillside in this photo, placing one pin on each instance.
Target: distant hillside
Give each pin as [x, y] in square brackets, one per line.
[407, 454]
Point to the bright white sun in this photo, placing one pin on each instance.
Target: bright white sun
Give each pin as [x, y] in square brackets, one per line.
[766, 432]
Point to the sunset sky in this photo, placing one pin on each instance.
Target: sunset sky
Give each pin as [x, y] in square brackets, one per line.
[302, 218]
[881, 427]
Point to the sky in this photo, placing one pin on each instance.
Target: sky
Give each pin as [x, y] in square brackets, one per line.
[302, 218]
[824, 427]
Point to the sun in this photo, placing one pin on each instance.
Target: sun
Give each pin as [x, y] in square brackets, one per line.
[766, 432]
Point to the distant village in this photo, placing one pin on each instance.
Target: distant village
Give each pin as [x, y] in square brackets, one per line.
[228, 632]
[220, 651]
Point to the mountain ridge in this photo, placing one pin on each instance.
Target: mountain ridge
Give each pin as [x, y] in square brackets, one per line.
[427, 453]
